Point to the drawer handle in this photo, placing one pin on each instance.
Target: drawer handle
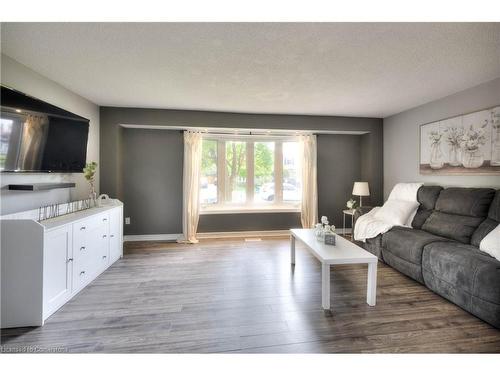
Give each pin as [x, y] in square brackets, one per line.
[82, 248]
[104, 219]
[82, 273]
[83, 228]
[104, 257]
[70, 260]
[104, 236]
[112, 235]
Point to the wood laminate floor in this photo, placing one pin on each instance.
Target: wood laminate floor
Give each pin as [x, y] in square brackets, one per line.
[237, 296]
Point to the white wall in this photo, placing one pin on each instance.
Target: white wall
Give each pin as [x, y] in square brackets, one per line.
[22, 78]
[401, 137]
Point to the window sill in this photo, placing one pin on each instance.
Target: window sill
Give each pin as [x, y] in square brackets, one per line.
[247, 210]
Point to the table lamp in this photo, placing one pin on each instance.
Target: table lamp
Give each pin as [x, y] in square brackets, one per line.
[361, 189]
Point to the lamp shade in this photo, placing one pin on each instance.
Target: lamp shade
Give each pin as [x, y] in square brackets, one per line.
[361, 189]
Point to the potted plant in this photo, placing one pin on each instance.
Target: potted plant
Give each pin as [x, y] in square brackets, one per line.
[89, 174]
[351, 204]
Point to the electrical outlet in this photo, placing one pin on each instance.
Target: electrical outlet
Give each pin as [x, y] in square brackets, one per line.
[127, 221]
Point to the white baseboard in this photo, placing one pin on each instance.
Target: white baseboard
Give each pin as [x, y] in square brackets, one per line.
[204, 236]
[247, 234]
[212, 235]
[151, 237]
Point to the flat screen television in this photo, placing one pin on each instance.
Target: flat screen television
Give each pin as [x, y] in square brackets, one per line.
[36, 136]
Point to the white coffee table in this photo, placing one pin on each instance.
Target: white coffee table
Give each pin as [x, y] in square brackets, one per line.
[344, 252]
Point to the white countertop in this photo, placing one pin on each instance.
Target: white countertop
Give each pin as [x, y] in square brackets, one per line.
[75, 216]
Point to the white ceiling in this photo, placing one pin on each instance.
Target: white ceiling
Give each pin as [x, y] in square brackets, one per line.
[351, 69]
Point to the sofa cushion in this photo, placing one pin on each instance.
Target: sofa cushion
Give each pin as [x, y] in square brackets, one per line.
[406, 268]
[427, 197]
[465, 201]
[491, 222]
[464, 275]
[456, 227]
[407, 243]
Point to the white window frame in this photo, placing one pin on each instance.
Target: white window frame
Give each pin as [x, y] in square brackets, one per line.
[223, 207]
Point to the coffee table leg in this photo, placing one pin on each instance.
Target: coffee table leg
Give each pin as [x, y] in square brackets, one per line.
[371, 291]
[325, 286]
[292, 249]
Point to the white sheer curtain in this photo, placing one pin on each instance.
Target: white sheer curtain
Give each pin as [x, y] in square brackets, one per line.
[191, 186]
[309, 204]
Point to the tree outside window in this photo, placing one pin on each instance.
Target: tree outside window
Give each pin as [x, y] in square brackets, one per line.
[250, 172]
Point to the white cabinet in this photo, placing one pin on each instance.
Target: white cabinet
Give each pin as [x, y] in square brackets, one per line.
[45, 264]
[57, 269]
[115, 235]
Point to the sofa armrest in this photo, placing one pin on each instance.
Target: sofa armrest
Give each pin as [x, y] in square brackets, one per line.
[361, 211]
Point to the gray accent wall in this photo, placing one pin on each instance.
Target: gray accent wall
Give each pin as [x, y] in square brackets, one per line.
[152, 181]
[401, 137]
[339, 165]
[158, 209]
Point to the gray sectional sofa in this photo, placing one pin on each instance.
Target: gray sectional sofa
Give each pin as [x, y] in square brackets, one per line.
[441, 250]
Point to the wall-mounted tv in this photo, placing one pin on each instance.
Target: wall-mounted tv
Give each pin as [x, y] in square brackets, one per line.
[36, 136]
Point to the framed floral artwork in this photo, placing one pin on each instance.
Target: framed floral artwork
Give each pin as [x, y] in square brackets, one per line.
[468, 144]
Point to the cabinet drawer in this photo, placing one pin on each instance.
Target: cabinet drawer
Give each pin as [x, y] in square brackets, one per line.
[92, 262]
[82, 275]
[93, 221]
[91, 244]
[84, 230]
[103, 260]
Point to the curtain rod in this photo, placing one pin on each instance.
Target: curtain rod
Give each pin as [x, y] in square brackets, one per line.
[256, 137]
[245, 131]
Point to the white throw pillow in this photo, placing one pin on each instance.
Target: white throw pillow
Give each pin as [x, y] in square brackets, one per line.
[491, 243]
[396, 212]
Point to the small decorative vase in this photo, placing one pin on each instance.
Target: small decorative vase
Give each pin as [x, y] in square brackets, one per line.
[93, 194]
[328, 229]
[455, 156]
[318, 231]
[436, 161]
[495, 146]
[472, 159]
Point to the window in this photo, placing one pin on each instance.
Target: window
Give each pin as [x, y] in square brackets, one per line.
[263, 172]
[208, 181]
[249, 173]
[236, 172]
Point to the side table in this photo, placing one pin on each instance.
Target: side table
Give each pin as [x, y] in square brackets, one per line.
[349, 213]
